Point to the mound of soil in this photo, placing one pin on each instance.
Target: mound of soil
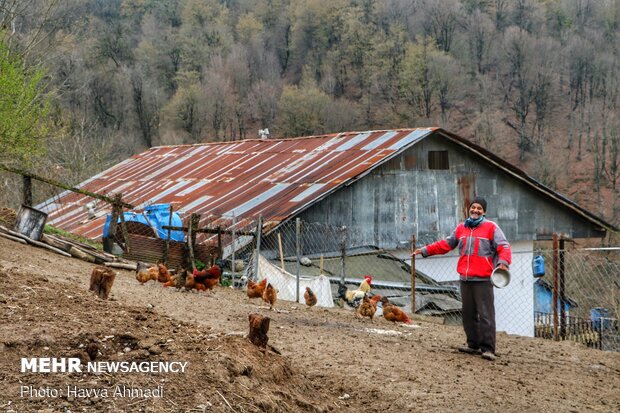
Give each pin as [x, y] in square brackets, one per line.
[330, 360]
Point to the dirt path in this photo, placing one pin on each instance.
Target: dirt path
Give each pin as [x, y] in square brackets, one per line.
[330, 361]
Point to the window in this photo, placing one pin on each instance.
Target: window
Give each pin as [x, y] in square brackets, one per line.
[438, 160]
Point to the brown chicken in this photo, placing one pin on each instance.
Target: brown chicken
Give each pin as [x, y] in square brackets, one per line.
[145, 274]
[270, 295]
[310, 297]
[255, 290]
[191, 284]
[209, 277]
[172, 282]
[374, 300]
[163, 275]
[366, 308]
[393, 313]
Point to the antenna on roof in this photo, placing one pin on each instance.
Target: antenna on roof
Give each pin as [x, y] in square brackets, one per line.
[263, 133]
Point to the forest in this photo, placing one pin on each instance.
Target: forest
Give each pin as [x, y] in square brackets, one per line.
[87, 83]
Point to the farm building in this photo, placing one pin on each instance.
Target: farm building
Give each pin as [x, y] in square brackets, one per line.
[384, 186]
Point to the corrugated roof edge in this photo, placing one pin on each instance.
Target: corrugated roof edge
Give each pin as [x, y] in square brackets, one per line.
[333, 134]
[524, 177]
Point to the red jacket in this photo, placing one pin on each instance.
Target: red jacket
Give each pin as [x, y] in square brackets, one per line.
[481, 249]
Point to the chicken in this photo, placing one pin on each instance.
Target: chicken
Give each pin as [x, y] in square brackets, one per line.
[191, 283]
[172, 282]
[354, 297]
[310, 297]
[209, 277]
[374, 300]
[393, 313]
[180, 278]
[144, 274]
[163, 275]
[367, 308]
[255, 290]
[270, 295]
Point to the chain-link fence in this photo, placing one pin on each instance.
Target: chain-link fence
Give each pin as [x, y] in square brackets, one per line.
[584, 283]
[577, 298]
[329, 260]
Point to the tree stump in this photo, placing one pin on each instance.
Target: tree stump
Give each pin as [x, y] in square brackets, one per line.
[259, 326]
[101, 280]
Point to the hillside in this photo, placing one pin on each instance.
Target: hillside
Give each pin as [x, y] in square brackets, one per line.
[534, 81]
[330, 360]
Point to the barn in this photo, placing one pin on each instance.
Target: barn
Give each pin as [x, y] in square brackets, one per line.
[386, 186]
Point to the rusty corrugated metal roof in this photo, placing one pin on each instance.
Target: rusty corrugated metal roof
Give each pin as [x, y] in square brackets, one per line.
[274, 178]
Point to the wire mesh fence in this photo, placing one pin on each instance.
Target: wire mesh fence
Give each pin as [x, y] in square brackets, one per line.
[584, 283]
[576, 297]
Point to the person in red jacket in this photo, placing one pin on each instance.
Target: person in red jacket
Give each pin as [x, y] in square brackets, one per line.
[482, 248]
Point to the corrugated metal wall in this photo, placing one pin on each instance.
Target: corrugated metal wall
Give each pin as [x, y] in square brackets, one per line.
[404, 197]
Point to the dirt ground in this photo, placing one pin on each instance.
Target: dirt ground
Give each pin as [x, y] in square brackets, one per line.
[330, 360]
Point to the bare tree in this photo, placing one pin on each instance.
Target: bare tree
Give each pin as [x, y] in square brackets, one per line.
[443, 19]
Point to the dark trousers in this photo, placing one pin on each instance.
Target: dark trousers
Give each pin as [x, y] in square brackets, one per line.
[479, 314]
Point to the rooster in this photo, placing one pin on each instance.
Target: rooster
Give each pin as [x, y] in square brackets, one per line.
[270, 295]
[367, 308]
[310, 297]
[354, 297]
[255, 290]
[209, 277]
[393, 313]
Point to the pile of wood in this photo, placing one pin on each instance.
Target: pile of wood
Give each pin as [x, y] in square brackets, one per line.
[68, 248]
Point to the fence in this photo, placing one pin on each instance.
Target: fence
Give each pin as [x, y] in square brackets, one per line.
[584, 284]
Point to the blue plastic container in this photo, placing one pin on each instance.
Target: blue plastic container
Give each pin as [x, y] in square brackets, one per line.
[155, 216]
[538, 266]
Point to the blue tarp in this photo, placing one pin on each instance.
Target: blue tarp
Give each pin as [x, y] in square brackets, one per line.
[155, 216]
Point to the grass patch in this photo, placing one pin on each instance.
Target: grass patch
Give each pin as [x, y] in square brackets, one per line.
[48, 229]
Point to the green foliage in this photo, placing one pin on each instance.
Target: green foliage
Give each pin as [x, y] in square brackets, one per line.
[302, 111]
[199, 265]
[24, 109]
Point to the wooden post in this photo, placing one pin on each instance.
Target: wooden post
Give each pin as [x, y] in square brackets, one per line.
[219, 243]
[259, 232]
[554, 297]
[343, 252]
[191, 237]
[234, 248]
[108, 243]
[281, 251]
[412, 274]
[298, 253]
[27, 190]
[169, 234]
[124, 225]
[561, 290]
